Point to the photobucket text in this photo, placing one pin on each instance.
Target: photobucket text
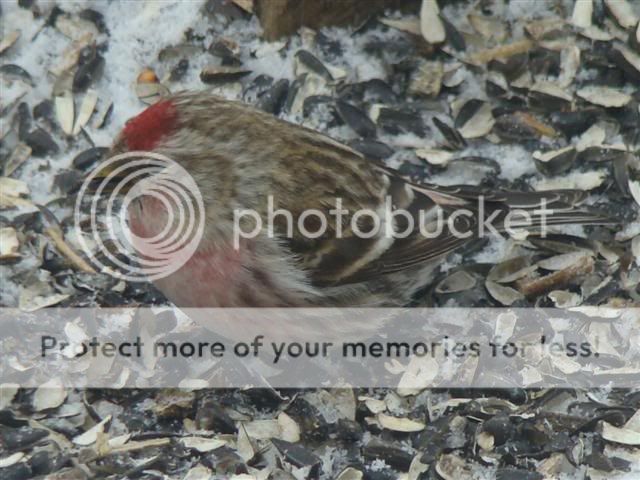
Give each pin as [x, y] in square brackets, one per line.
[474, 220]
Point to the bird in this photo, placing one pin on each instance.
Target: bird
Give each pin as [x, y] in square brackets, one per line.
[241, 157]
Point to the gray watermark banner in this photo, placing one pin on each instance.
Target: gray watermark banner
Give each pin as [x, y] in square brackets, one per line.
[409, 349]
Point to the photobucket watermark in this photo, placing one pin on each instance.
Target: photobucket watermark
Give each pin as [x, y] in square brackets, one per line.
[115, 191]
[141, 216]
[474, 220]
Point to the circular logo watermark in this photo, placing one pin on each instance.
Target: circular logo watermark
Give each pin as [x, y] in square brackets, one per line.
[165, 208]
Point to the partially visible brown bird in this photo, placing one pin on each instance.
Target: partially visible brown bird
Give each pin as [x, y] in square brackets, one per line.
[239, 157]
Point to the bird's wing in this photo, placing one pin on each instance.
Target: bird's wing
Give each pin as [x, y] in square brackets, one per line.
[314, 171]
[398, 244]
[438, 226]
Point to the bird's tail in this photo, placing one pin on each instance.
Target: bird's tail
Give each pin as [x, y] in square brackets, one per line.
[532, 210]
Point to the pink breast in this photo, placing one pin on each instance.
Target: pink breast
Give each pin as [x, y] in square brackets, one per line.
[208, 277]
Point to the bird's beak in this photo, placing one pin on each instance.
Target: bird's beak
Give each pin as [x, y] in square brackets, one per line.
[111, 175]
[104, 176]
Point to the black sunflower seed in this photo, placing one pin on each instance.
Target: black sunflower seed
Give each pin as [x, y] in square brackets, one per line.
[41, 142]
[397, 121]
[452, 136]
[24, 120]
[356, 119]
[296, 454]
[15, 71]
[89, 157]
[179, 70]
[94, 17]
[90, 68]
[372, 149]
[274, 99]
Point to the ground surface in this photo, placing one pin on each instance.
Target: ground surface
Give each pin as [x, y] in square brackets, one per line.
[540, 78]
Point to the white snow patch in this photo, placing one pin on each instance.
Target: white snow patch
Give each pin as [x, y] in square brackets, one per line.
[496, 251]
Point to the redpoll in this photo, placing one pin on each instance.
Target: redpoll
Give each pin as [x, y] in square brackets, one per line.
[253, 170]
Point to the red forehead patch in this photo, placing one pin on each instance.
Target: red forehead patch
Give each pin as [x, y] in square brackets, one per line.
[144, 131]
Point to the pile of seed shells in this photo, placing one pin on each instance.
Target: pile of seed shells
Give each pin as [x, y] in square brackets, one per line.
[342, 433]
[524, 431]
[464, 96]
[488, 93]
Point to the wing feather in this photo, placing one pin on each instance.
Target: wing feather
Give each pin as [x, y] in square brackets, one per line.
[332, 171]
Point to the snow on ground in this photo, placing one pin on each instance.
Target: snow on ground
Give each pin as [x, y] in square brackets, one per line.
[140, 30]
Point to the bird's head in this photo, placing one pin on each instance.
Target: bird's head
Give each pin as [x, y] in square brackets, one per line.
[150, 128]
[163, 167]
[203, 133]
